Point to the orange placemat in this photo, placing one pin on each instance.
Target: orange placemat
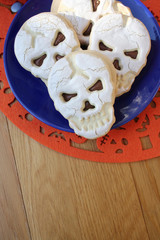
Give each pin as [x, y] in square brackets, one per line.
[120, 145]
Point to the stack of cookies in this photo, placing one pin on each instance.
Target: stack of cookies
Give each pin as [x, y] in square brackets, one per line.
[87, 52]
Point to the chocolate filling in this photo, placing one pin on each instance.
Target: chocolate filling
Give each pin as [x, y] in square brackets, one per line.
[116, 64]
[58, 57]
[67, 96]
[103, 47]
[39, 61]
[97, 86]
[88, 30]
[132, 54]
[84, 46]
[95, 4]
[88, 106]
[60, 38]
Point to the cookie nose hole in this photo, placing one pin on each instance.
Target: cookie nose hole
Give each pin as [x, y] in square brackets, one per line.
[58, 57]
[117, 65]
[88, 106]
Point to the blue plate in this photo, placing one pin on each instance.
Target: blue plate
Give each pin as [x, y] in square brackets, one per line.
[33, 95]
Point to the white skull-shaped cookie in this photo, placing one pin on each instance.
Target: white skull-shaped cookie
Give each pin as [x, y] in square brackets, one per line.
[82, 86]
[126, 41]
[84, 13]
[43, 40]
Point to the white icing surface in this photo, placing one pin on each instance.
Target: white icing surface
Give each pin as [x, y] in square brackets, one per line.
[122, 34]
[36, 38]
[80, 13]
[76, 74]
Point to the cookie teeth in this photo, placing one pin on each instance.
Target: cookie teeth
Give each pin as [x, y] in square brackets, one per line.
[103, 121]
[102, 114]
[93, 122]
[85, 128]
[94, 125]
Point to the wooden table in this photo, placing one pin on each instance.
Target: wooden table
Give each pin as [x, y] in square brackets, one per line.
[45, 195]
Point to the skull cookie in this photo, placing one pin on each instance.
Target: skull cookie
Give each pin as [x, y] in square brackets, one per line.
[43, 40]
[126, 41]
[82, 86]
[84, 13]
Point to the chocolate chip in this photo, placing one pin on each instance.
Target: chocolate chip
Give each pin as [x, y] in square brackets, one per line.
[58, 57]
[116, 64]
[39, 61]
[103, 47]
[67, 96]
[97, 86]
[88, 30]
[95, 4]
[132, 54]
[88, 106]
[60, 38]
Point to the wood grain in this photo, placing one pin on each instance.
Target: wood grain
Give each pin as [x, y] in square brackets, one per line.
[147, 180]
[13, 221]
[71, 199]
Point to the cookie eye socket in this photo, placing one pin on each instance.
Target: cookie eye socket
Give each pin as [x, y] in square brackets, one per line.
[98, 86]
[95, 4]
[116, 64]
[132, 54]
[60, 38]
[58, 57]
[87, 31]
[68, 96]
[88, 106]
[103, 47]
[39, 61]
